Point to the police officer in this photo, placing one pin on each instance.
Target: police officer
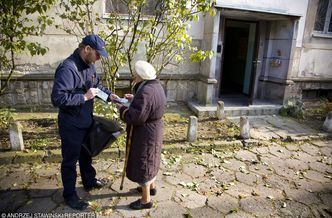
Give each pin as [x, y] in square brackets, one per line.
[75, 86]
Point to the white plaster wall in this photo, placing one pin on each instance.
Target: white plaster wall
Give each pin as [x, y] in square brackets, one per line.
[316, 63]
[286, 7]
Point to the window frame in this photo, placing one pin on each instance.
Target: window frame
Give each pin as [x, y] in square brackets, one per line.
[325, 32]
[106, 14]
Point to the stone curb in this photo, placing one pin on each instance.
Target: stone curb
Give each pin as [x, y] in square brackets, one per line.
[54, 156]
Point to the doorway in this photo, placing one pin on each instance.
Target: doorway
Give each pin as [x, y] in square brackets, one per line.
[237, 71]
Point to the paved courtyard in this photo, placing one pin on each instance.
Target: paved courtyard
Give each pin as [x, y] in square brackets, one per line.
[285, 171]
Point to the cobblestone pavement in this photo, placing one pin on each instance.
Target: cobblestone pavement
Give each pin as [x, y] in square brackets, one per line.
[274, 179]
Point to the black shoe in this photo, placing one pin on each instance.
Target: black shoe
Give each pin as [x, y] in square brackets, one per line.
[98, 185]
[153, 191]
[76, 203]
[137, 205]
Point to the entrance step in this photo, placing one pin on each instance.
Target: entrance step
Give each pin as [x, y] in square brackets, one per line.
[234, 111]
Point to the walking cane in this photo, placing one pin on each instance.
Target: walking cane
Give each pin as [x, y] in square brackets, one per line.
[126, 157]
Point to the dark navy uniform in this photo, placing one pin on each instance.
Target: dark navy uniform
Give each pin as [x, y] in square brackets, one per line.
[72, 80]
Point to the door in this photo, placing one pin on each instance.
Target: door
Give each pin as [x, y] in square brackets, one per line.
[238, 56]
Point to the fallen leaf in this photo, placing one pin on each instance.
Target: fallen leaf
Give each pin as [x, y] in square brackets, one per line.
[107, 212]
[253, 193]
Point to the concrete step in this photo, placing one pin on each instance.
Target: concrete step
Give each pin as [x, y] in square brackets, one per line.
[234, 111]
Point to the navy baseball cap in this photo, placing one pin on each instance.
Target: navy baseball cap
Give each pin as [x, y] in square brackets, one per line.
[97, 43]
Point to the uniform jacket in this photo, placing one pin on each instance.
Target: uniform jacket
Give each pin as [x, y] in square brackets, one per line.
[145, 131]
[69, 89]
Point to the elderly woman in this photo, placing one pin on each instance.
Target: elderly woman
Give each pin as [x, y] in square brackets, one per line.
[144, 131]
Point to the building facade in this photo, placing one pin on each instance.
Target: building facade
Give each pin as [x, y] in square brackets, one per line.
[264, 51]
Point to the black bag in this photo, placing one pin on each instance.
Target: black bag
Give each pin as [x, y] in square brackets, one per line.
[101, 135]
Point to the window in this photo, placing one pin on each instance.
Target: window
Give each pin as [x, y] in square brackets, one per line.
[122, 7]
[323, 22]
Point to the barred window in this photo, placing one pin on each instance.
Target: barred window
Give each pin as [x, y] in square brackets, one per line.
[121, 7]
[323, 22]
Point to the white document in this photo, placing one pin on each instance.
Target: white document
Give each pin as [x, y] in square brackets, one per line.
[123, 100]
[102, 95]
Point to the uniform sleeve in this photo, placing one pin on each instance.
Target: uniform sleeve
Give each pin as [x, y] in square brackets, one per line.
[63, 92]
[139, 110]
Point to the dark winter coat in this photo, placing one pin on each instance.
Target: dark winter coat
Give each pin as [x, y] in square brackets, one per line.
[145, 131]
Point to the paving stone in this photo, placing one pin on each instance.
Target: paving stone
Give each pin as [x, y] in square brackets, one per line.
[111, 215]
[258, 206]
[327, 187]
[326, 198]
[268, 192]
[293, 147]
[38, 205]
[302, 196]
[321, 167]
[194, 170]
[283, 134]
[296, 164]
[177, 178]
[239, 214]
[43, 187]
[204, 212]
[105, 195]
[217, 185]
[285, 172]
[260, 150]
[62, 208]
[310, 149]
[273, 161]
[168, 209]
[189, 199]
[57, 196]
[305, 157]
[280, 151]
[233, 164]
[327, 151]
[299, 137]
[165, 191]
[239, 189]
[321, 210]
[245, 155]
[209, 186]
[293, 209]
[322, 143]
[278, 182]
[11, 200]
[107, 165]
[249, 179]
[308, 185]
[223, 203]
[313, 175]
[261, 169]
[210, 160]
[262, 134]
[224, 176]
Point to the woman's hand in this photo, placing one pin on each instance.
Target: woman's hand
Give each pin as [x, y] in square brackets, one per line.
[129, 97]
